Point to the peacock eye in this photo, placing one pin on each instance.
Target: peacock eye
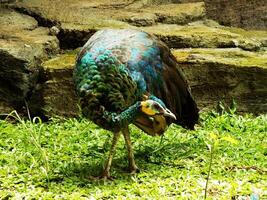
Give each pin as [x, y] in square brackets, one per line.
[156, 106]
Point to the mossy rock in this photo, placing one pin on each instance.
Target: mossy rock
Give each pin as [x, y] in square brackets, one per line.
[100, 12]
[208, 34]
[235, 57]
[56, 96]
[23, 46]
[213, 74]
[226, 75]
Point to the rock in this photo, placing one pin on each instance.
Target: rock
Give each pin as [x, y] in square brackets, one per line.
[146, 3]
[208, 35]
[79, 20]
[213, 74]
[54, 30]
[106, 14]
[135, 19]
[166, 13]
[23, 46]
[186, 1]
[177, 13]
[56, 96]
[14, 21]
[241, 13]
[221, 63]
[225, 75]
[7, 1]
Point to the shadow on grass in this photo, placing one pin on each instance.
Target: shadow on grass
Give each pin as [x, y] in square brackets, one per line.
[177, 145]
[171, 151]
[171, 154]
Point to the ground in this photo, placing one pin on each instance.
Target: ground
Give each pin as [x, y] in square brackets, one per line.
[57, 160]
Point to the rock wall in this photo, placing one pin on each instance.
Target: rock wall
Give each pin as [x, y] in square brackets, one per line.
[250, 14]
[23, 46]
[215, 75]
[56, 96]
[221, 63]
[226, 75]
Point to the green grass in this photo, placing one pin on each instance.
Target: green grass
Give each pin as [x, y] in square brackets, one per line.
[56, 160]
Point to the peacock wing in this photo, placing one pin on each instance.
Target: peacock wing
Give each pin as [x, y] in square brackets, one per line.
[156, 72]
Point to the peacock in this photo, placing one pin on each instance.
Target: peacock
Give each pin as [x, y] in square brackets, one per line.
[126, 76]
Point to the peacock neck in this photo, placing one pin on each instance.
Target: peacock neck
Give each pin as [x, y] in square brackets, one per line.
[124, 118]
[129, 115]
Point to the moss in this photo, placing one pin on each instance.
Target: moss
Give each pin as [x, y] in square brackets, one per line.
[167, 29]
[247, 33]
[236, 57]
[181, 56]
[193, 36]
[64, 61]
[199, 35]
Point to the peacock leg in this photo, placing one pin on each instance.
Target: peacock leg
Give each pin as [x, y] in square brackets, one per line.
[106, 171]
[132, 166]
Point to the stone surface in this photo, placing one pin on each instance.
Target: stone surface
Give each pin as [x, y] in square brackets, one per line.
[214, 75]
[23, 46]
[97, 13]
[56, 96]
[221, 63]
[208, 34]
[225, 75]
[251, 14]
[177, 13]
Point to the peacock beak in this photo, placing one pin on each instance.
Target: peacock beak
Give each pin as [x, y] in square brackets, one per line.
[168, 113]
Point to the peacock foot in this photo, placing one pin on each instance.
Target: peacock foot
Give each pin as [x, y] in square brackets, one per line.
[106, 176]
[134, 169]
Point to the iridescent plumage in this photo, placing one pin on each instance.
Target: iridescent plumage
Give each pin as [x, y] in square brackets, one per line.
[117, 69]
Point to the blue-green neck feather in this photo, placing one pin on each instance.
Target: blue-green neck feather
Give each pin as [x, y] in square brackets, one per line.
[124, 118]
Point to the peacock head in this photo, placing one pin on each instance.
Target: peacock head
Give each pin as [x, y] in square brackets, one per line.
[152, 108]
[153, 117]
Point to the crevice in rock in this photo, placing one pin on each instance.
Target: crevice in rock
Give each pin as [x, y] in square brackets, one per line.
[42, 21]
[68, 39]
[72, 39]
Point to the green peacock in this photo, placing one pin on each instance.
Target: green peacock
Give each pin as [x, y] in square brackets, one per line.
[125, 76]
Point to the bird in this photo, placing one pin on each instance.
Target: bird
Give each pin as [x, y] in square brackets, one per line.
[128, 76]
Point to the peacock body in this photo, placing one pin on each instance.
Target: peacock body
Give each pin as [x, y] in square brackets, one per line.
[125, 76]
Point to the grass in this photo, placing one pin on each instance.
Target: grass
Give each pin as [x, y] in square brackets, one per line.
[55, 160]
